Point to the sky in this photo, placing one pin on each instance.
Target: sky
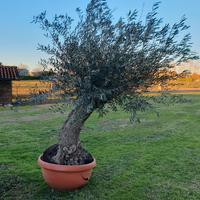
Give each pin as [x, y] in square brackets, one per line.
[19, 37]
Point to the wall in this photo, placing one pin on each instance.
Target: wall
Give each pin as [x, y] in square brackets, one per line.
[24, 88]
[5, 92]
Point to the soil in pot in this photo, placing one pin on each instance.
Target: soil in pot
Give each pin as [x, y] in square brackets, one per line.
[52, 150]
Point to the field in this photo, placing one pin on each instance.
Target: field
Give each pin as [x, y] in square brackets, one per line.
[188, 85]
[156, 159]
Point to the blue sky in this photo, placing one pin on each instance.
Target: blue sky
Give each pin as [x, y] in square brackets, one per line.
[19, 37]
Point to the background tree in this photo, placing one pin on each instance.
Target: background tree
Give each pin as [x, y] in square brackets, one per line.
[107, 64]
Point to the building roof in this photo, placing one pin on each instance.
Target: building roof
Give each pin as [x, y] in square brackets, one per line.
[8, 73]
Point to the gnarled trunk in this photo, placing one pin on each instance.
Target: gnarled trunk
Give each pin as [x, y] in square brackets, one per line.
[70, 151]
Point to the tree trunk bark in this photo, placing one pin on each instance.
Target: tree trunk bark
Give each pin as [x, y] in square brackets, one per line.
[70, 151]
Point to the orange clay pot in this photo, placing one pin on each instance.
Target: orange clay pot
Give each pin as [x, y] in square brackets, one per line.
[66, 177]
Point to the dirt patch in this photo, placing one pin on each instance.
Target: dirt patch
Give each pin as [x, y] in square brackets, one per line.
[37, 117]
[29, 118]
[108, 125]
[154, 137]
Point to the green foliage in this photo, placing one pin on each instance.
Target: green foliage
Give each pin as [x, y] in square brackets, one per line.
[105, 62]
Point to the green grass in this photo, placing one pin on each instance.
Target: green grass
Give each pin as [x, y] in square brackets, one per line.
[156, 159]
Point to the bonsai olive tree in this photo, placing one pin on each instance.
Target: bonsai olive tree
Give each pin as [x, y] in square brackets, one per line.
[101, 63]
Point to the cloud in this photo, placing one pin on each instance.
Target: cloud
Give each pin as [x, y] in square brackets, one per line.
[193, 66]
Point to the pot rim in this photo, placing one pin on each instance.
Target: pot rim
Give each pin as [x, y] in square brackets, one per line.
[66, 168]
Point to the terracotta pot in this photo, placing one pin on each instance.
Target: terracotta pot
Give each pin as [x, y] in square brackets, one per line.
[66, 177]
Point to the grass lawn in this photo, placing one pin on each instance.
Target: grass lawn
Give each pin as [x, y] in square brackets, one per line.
[156, 159]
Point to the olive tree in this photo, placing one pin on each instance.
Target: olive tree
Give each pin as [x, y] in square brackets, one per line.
[101, 63]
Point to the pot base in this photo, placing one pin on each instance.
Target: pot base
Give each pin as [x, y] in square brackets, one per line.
[66, 177]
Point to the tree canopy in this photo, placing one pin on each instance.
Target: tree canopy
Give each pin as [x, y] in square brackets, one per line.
[103, 61]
